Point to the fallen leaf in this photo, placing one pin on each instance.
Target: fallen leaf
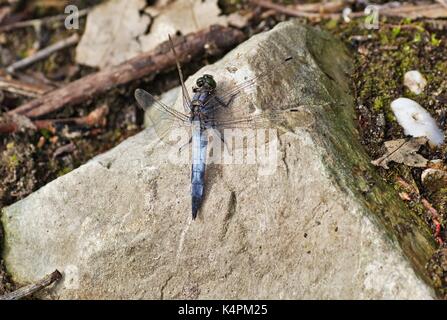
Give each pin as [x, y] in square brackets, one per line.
[119, 30]
[111, 33]
[403, 151]
[185, 16]
[238, 20]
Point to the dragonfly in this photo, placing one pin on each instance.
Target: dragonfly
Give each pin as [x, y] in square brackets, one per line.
[209, 110]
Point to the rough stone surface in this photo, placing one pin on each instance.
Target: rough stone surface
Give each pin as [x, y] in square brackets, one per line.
[120, 226]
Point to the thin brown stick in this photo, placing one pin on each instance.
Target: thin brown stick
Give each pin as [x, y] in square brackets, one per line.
[37, 22]
[33, 288]
[414, 11]
[95, 118]
[294, 12]
[414, 195]
[44, 53]
[213, 40]
[434, 213]
[24, 89]
[436, 218]
[407, 186]
[404, 10]
[334, 6]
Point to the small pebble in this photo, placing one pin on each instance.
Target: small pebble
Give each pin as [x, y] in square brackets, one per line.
[415, 81]
[416, 121]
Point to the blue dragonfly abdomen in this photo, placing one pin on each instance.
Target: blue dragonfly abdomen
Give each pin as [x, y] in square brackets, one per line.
[199, 150]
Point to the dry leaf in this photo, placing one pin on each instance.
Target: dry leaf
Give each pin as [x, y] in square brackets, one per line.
[111, 33]
[121, 29]
[183, 16]
[238, 20]
[403, 151]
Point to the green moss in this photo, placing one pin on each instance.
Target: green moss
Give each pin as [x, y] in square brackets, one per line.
[378, 104]
[417, 37]
[379, 80]
[117, 134]
[389, 116]
[64, 171]
[407, 21]
[13, 161]
[331, 24]
[384, 40]
[10, 146]
[434, 41]
[46, 133]
[378, 83]
[441, 66]
[395, 31]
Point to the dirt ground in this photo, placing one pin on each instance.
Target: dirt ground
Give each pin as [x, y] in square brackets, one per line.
[29, 160]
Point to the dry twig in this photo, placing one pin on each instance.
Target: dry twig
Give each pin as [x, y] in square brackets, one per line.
[95, 118]
[36, 23]
[334, 10]
[413, 194]
[44, 53]
[21, 88]
[294, 12]
[33, 288]
[213, 40]
[436, 219]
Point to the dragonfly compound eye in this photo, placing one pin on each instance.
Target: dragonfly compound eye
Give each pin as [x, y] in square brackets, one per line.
[200, 82]
[209, 80]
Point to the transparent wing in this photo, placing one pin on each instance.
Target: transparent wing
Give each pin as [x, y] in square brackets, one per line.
[235, 92]
[287, 118]
[232, 107]
[165, 120]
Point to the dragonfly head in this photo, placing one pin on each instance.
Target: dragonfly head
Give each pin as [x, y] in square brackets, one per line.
[206, 81]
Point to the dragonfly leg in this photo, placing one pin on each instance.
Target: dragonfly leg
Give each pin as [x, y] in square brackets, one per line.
[227, 104]
[185, 145]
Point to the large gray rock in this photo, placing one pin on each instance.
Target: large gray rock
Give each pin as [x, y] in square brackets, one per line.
[323, 225]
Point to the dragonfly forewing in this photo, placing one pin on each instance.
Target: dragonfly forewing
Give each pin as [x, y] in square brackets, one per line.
[168, 123]
[283, 120]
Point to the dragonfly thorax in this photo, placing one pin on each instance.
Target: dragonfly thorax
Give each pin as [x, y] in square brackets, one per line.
[205, 86]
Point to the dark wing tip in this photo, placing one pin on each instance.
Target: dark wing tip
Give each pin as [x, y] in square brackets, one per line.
[143, 98]
[138, 93]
